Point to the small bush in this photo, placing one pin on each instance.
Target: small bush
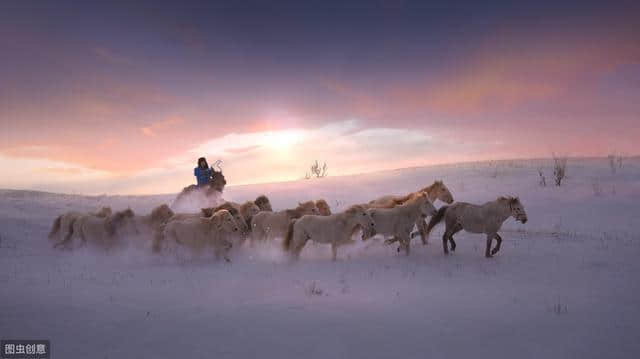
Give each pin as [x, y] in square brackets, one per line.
[313, 289]
[559, 169]
[543, 179]
[613, 163]
[317, 171]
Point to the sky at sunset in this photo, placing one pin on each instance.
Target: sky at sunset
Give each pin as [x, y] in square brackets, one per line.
[124, 97]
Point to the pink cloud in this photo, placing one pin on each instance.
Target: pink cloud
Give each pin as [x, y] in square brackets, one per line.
[170, 123]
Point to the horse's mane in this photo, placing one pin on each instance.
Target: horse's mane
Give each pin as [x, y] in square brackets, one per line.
[437, 183]
[124, 213]
[103, 212]
[355, 209]
[111, 221]
[208, 212]
[403, 199]
[158, 212]
[305, 205]
[245, 205]
[415, 196]
[298, 211]
[323, 207]
[217, 215]
[509, 199]
[262, 201]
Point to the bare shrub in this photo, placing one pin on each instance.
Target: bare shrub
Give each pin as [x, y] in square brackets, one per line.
[559, 169]
[543, 179]
[313, 289]
[620, 160]
[613, 165]
[559, 309]
[317, 171]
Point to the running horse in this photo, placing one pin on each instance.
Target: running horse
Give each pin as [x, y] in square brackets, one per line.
[213, 188]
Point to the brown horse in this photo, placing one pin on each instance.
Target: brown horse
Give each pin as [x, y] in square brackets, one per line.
[323, 207]
[215, 185]
[263, 203]
[437, 190]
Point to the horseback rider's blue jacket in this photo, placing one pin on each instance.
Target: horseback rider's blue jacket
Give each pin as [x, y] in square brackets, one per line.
[203, 175]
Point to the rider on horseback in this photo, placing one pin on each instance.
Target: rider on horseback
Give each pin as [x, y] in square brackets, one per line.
[203, 173]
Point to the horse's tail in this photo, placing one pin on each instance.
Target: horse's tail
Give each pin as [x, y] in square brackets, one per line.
[436, 219]
[56, 226]
[289, 237]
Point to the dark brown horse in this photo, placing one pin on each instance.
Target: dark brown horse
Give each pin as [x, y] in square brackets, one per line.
[216, 184]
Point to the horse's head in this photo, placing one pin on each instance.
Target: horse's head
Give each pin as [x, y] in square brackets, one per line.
[217, 180]
[239, 219]
[308, 207]
[104, 212]
[263, 203]
[323, 207]
[426, 207]
[442, 192]
[161, 214]
[224, 221]
[362, 217]
[122, 219]
[517, 209]
[249, 209]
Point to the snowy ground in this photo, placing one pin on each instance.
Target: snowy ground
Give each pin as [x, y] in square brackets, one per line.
[565, 285]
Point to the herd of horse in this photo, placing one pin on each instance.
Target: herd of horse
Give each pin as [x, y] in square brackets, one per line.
[231, 224]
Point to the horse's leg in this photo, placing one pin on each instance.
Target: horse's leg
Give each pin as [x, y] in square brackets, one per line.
[422, 229]
[66, 232]
[498, 243]
[394, 239]
[445, 238]
[487, 252]
[457, 228]
[221, 249]
[299, 248]
[62, 243]
[81, 234]
[406, 243]
[69, 234]
[252, 237]
[297, 245]
[67, 241]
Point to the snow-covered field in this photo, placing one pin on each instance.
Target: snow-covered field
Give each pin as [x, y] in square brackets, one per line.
[565, 285]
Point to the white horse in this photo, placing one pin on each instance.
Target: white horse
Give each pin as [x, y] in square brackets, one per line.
[150, 226]
[398, 222]
[242, 213]
[198, 233]
[486, 218]
[270, 225]
[63, 224]
[334, 229]
[102, 232]
[243, 228]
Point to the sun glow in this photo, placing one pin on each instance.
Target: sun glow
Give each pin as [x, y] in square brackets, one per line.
[282, 140]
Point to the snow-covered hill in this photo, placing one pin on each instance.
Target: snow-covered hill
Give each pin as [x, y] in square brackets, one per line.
[564, 285]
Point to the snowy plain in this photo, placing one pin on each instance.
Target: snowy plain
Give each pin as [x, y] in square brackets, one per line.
[565, 285]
